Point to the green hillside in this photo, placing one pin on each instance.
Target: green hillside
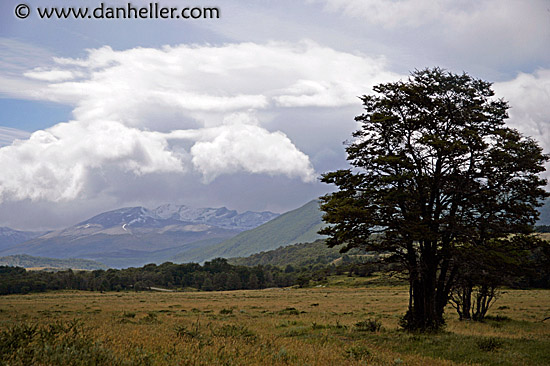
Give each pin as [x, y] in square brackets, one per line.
[27, 261]
[141, 258]
[296, 255]
[297, 226]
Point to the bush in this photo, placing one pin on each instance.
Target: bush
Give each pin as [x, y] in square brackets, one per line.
[236, 331]
[369, 325]
[497, 318]
[358, 353]
[183, 332]
[54, 344]
[289, 311]
[489, 344]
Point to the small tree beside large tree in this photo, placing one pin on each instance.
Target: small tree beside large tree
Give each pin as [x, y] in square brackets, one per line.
[435, 172]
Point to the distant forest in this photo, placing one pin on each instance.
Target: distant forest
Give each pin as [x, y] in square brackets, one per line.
[216, 275]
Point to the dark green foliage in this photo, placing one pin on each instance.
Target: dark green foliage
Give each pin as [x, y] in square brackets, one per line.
[236, 331]
[498, 318]
[151, 318]
[484, 268]
[216, 275]
[289, 311]
[184, 332]
[539, 273]
[358, 353]
[435, 172]
[489, 344]
[369, 325]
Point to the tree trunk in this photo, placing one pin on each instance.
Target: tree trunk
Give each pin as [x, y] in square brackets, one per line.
[425, 312]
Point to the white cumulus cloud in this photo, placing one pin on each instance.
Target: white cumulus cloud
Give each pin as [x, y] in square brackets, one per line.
[56, 164]
[249, 148]
[179, 109]
[529, 99]
[191, 81]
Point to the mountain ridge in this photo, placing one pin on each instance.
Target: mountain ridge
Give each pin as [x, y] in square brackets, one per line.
[10, 237]
[295, 226]
[138, 232]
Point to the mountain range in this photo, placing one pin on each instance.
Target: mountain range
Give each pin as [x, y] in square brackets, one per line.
[134, 236]
[296, 226]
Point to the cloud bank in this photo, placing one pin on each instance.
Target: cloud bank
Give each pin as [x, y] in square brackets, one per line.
[189, 110]
[493, 36]
[529, 99]
[455, 14]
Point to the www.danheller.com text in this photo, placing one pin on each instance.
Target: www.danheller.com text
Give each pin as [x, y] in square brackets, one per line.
[127, 11]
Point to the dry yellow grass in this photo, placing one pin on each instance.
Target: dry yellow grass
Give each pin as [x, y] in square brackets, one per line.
[275, 327]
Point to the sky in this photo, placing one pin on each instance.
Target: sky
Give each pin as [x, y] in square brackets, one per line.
[245, 111]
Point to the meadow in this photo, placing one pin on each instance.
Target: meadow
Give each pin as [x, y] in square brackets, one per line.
[351, 321]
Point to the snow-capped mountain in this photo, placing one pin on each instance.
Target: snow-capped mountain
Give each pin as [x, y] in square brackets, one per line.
[140, 219]
[220, 217]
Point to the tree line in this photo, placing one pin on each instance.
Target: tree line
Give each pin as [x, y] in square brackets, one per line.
[219, 275]
[216, 275]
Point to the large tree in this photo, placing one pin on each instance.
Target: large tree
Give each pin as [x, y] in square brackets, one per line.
[435, 171]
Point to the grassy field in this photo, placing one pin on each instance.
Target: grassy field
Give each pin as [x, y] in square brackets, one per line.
[335, 325]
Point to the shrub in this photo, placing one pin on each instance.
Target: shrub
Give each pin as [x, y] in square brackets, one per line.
[183, 332]
[236, 331]
[369, 325]
[54, 344]
[489, 344]
[358, 353]
[289, 311]
[498, 318]
[150, 318]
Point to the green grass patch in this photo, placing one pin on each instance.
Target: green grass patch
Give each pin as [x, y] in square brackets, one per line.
[468, 349]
